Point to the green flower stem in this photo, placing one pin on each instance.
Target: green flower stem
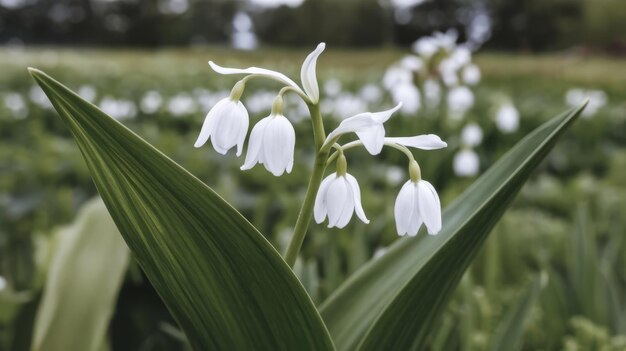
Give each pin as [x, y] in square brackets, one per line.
[306, 211]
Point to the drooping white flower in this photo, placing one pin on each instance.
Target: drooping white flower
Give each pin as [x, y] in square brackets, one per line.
[507, 118]
[417, 204]
[226, 124]
[471, 135]
[308, 75]
[339, 196]
[272, 143]
[368, 127]
[466, 163]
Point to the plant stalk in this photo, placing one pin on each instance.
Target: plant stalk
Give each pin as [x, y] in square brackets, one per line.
[306, 211]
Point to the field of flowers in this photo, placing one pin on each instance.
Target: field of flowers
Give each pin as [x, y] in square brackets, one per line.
[565, 230]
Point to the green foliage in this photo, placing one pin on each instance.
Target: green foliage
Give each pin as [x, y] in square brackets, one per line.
[223, 282]
[44, 181]
[377, 306]
[82, 284]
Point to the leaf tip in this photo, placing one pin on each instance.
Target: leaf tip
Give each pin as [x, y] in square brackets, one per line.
[34, 72]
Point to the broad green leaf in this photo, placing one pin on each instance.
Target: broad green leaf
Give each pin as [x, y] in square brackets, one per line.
[511, 329]
[391, 302]
[223, 282]
[84, 278]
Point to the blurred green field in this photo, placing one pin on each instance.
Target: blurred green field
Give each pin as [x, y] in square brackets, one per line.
[568, 224]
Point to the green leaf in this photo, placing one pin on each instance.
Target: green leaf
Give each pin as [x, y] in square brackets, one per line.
[510, 331]
[83, 281]
[391, 303]
[223, 282]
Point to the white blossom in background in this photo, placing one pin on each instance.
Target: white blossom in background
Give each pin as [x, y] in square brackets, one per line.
[471, 135]
[332, 87]
[432, 92]
[428, 46]
[460, 100]
[395, 75]
[395, 175]
[507, 118]
[120, 109]
[371, 93]
[471, 74]
[38, 97]
[3, 283]
[345, 104]
[151, 102]
[380, 251]
[412, 63]
[243, 37]
[16, 103]
[338, 198]
[88, 92]
[409, 96]
[597, 99]
[181, 104]
[466, 163]
[260, 101]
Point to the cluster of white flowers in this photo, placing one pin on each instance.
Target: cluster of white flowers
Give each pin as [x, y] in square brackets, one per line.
[597, 100]
[439, 63]
[442, 72]
[272, 142]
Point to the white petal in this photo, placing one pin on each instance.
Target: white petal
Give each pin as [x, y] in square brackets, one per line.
[356, 192]
[257, 71]
[308, 75]
[336, 197]
[348, 206]
[429, 206]
[228, 128]
[416, 218]
[254, 145]
[403, 209]
[210, 120]
[320, 210]
[243, 130]
[373, 139]
[362, 121]
[424, 142]
[278, 145]
[383, 116]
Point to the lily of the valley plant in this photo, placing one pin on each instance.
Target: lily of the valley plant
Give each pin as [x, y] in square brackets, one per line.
[338, 196]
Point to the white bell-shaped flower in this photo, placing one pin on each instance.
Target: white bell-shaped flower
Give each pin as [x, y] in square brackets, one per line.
[417, 204]
[226, 124]
[338, 197]
[272, 142]
[368, 127]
